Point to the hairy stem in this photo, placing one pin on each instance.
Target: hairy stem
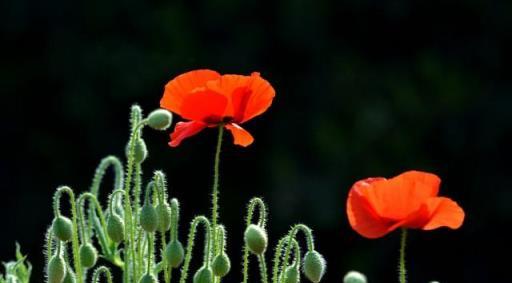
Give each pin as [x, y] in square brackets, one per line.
[190, 245]
[215, 192]
[102, 270]
[262, 221]
[401, 265]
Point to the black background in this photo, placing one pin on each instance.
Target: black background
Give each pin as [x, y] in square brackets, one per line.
[364, 88]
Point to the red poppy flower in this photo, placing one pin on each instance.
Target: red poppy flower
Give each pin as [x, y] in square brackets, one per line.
[208, 99]
[377, 206]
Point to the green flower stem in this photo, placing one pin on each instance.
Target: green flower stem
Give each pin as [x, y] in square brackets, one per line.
[401, 266]
[190, 245]
[292, 235]
[215, 193]
[262, 221]
[277, 272]
[75, 243]
[150, 251]
[263, 268]
[130, 249]
[48, 240]
[175, 217]
[102, 270]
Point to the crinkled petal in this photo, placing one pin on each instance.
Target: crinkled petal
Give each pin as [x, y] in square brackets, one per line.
[240, 135]
[262, 94]
[183, 85]
[204, 105]
[184, 130]
[444, 212]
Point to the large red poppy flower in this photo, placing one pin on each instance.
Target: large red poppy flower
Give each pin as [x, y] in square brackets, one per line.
[208, 99]
[377, 206]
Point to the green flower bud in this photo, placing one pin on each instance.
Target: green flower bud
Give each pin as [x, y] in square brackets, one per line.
[148, 278]
[115, 228]
[291, 275]
[164, 216]
[174, 254]
[140, 151]
[354, 277]
[204, 275]
[56, 269]
[221, 265]
[160, 119]
[314, 266]
[88, 255]
[70, 276]
[256, 239]
[148, 218]
[62, 228]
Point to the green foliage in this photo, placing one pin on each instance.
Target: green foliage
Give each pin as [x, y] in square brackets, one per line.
[17, 271]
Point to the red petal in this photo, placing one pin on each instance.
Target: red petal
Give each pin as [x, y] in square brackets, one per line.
[180, 87]
[184, 130]
[261, 97]
[204, 105]
[444, 212]
[241, 137]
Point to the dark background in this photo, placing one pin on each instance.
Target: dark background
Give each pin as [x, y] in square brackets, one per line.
[364, 88]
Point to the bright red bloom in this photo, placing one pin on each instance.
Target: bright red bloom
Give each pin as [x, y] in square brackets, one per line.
[377, 206]
[208, 99]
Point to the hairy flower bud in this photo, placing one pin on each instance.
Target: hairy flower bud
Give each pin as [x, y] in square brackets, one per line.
[204, 275]
[221, 265]
[148, 218]
[88, 255]
[256, 239]
[164, 216]
[160, 119]
[314, 266]
[291, 275]
[140, 150]
[174, 253]
[70, 276]
[62, 228]
[354, 277]
[56, 269]
[148, 278]
[115, 228]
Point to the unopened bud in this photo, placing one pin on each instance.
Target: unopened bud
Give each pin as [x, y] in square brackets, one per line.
[160, 119]
[204, 275]
[174, 253]
[56, 269]
[291, 275]
[354, 277]
[148, 278]
[62, 228]
[115, 228]
[221, 265]
[148, 218]
[314, 266]
[88, 255]
[256, 239]
[164, 217]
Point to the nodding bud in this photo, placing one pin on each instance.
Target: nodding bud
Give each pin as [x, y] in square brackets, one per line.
[221, 265]
[204, 275]
[56, 269]
[164, 216]
[62, 228]
[115, 228]
[291, 275]
[88, 255]
[314, 266]
[174, 254]
[70, 276]
[148, 278]
[160, 119]
[148, 218]
[354, 277]
[140, 151]
[256, 239]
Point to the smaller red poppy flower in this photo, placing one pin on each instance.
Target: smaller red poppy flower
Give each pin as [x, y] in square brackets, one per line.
[208, 99]
[377, 206]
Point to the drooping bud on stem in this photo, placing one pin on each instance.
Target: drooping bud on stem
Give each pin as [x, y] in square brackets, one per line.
[256, 239]
[164, 216]
[221, 265]
[148, 278]
[174, 253]
[62, 228]
[56, 269]
[88, 255]
[204, 275]
[159, 119]
[354, 277]
[314, 266]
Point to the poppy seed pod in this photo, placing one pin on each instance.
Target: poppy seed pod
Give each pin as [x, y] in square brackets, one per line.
[291, 275]
[56, 269]
[174, 253]
[88, 255]
[221, 265]
[115, 228]
[62, 228]
[314, 266]
[354, 277]
[148, 278]
[148, 218]
[256, 239]
[70, 276]
[160, 119]
[164, 216]
[204, 275]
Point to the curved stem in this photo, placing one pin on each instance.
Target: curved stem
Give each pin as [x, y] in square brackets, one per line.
[74, 240]
[175, 217]
[102, 270]
[401, 266]
[93, 201]
[263, 268]
[279, 268]
[262, 221]
[291, 236]
[190, 245]
[215, 193]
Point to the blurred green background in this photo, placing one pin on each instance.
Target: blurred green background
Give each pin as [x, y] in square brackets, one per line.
[364, 88]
